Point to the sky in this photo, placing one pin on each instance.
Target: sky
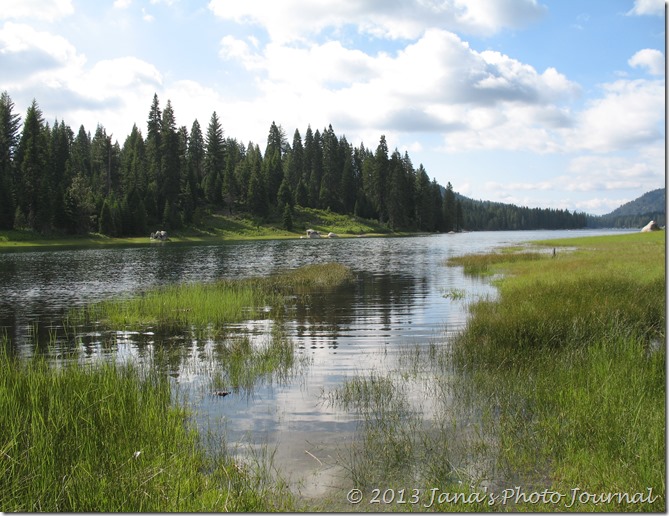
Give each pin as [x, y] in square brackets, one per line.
[540, 103]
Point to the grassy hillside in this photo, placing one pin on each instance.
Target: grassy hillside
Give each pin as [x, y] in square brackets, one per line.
[214, 227]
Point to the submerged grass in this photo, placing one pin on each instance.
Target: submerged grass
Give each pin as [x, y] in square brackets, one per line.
[108, 438]
[240, 364]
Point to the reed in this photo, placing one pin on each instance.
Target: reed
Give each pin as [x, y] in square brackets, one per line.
[108, 438]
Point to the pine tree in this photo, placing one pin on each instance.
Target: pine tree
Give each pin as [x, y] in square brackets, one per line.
[153, 140]
[169, 172]
[316, 173]
[196, 159]
[347, 184]
[449, 216]
[273, 162]
[214, 161]
[379, 179]
[295, 168]
[423, 201]
[288, 217]
[32, 179]
[9, 138]
[329, 187]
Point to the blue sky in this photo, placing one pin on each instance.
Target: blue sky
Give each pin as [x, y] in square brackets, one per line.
[548, 103]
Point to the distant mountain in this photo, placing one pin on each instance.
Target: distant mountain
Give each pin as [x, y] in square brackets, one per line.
[636, 213]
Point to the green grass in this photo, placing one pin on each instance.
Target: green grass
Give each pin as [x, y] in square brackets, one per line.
[213, 228]
[108, 438]
[241, 365]
[570, 364]
[210, 306]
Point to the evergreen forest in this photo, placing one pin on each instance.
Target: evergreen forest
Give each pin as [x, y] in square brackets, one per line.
[53, 180]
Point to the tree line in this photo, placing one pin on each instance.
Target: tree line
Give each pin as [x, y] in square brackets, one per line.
[53, 180]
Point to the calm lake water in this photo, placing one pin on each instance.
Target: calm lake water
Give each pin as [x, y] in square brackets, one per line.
[403, 295]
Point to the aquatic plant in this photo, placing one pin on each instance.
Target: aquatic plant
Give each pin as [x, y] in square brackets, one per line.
[108, 438]
[208, 307]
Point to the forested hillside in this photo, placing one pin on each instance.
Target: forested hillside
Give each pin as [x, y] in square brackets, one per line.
[55, 180]
[636, 213]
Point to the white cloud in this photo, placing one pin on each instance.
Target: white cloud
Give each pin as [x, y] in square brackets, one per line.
[26, 55]
[122, 4]
[647, 7]
[48, 10]
[436, 84]
[291, 20]
[629, 114]
[649, 58]
[642, 171]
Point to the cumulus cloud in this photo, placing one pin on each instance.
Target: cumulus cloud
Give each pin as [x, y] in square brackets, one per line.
[292, 20]
[648, 58]
[647, 7]
[48, 10]
[27, 54]
[590, 173]
[628, 114]
[436, 84]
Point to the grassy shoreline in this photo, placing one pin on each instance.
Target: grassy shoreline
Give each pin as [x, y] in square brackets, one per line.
[109, 438]
[570, 359]
[551, 399]
[215, 228]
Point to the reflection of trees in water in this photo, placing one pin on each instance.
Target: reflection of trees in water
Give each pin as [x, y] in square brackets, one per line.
[371, 301]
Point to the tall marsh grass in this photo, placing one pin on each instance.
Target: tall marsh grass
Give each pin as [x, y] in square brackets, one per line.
[108, 438]
[210, 306]
[570, 360]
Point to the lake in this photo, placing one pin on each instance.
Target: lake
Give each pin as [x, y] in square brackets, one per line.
[402, 296]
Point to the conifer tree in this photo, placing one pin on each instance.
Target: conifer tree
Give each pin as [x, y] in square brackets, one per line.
[214, 161]
[196, 159]
[379, 178]
[9, 138]
[153, 140]
[33, 181]
[295, 167]
[169, 179]
[273, 161]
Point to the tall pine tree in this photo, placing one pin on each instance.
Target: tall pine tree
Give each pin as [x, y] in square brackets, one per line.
[9, 138]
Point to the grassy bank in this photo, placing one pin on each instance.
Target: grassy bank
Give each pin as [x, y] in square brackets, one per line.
[570, 361]
[107, 438]
[213, 228]
[552, 398]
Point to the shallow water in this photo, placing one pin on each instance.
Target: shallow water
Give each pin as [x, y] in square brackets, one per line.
[402, 296]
